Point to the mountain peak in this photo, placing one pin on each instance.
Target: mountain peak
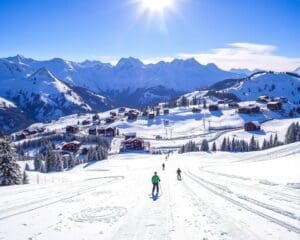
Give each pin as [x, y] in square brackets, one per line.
[130, 61]
[43, 73]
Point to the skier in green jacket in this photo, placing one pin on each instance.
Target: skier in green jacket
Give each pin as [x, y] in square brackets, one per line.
[155, 181]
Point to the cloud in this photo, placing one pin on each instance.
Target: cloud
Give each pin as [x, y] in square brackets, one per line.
[246, 55]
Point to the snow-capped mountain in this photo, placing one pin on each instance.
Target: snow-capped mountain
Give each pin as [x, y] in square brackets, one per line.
[129, 73]
[11, 117]
[297, 70]
[244, 71]
[270, 84]
[43, 97]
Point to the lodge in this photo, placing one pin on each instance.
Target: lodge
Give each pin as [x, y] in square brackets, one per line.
[249, 109]
[73, 146]
[213, 107]
[252, 126]
[72, 129]
[274, 106]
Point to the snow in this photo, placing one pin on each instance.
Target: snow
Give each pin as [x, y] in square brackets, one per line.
[4, 103]
[221, 196]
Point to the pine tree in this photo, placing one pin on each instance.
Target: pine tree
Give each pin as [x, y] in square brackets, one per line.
[9, 169]
[204, 146]
[214, 147]
[27, 167]
[25, 179]
[37, 162]
[223, 145]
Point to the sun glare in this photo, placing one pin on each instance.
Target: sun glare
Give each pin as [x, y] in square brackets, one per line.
[157, 5]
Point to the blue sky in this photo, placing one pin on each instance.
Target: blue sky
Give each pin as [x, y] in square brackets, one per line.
[257, 33]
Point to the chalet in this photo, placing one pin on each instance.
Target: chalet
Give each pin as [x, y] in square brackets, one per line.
[129, 135]
[166, 111]
[93, 131]
[96, 117]
[72, 129]
[113, 113]
[233, 105]
[132, 115]
[109, 120]
[71, 146]
[196, 110]
[30, 131]
[252, 126]
[121, 110]
[20, 136]
[133, 144]
[221, 102]
[151, 115]
[249, 109]
[274, 106]
[107, 132]
[86, 122]
[281, 99]
[263, 99]
[213, 107]
[145, 113]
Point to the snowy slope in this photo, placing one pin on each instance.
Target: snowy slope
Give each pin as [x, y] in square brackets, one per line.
[42, 96]
[222, 196]
[270, 84]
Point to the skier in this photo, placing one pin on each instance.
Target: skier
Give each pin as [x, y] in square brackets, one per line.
[155, 181]
[178, 174]
[163, 166]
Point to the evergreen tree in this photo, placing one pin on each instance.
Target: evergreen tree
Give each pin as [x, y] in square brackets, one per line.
[214, 147]
[27, 167]
[204, 146]
[9, 169]
[37, 162]
[223, 145]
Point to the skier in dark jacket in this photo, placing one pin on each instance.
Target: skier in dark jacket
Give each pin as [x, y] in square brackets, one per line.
[155, 181]
[178, 174]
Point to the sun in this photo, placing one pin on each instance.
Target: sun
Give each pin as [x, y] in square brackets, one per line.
[157, 5]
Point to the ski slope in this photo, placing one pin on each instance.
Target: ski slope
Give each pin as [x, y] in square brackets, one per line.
[252, 195]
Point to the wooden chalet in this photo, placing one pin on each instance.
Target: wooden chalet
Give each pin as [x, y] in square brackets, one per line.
[20, 136]
[132, 115]
[73, 146]
[72, 129]
[129, 135]
[113, 113]
[93, 131]
[249, 109]
[196, 110]
[109, 120]
[86, 122]
[96, 117]
[107, 132]
[233, 105]
[151, 115]
[213, 107]
[252, 126]
[221, 102]
[263, 99]
[133, 144]
[274, 106]
[166, 111]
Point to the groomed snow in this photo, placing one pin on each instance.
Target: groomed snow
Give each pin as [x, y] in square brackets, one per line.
[222, 196]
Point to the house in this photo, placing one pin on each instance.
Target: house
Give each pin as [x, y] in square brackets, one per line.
[249, 109]
[93, 131]
[263, 99]
[281, 99]
[30, 131]
[274, 106]
[86, 122]
[113, 113]
[213, 107]
[196, 110]
[233, 105]
[151, 115]
[96, 117]
[221, 102]
[73, 146]
[107, 132]
[129, 135]
[109, 120]
[145, 113]
[166, 111]
[72, 129]
[121, 110]
[132, 115]
[20, 136]
[132, 144]
[252, 126]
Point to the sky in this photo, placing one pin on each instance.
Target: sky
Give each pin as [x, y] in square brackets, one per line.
[230, 33]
